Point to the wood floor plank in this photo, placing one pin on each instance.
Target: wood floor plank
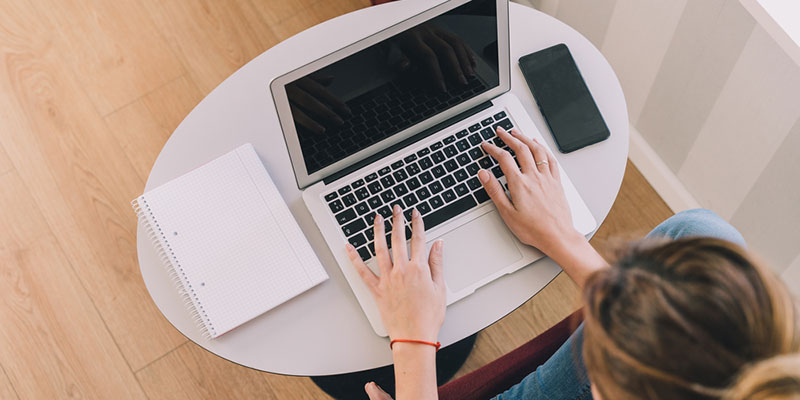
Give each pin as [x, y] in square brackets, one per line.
[80, 179]
[142, 127]
[113, 48]
[317, 13]
[6, 389]
[212, 38]
[5, 162]
[190, 372]
[52, 339]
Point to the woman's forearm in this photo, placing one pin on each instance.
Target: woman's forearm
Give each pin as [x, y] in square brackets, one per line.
[577, 258]
[415, 371]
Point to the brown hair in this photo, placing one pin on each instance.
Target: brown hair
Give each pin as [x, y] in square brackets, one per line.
[692, 318]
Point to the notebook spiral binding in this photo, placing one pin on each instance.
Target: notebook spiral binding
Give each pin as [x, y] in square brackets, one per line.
[174, 270]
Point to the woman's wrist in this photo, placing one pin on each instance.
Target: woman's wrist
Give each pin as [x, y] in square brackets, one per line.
[577, 257]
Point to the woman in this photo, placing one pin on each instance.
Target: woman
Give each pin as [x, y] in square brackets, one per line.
[692, 318]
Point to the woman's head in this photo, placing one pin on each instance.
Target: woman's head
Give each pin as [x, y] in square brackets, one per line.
[687, 319]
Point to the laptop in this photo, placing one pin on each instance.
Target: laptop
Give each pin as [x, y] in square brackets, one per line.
[398, 118]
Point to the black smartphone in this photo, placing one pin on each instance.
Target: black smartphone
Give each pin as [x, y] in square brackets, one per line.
[563, 98]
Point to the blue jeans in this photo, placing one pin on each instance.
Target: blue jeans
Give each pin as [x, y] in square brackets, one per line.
[564, 376]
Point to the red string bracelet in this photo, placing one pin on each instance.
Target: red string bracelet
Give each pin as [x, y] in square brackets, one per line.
[437, 344]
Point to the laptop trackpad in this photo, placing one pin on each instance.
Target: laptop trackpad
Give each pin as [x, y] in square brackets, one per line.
[476, 250]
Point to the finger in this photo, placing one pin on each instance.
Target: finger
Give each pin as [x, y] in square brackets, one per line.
[552, 163]
[399, 251]
[375, 392]
[449, 58]
[540, 154]
[435, 260]
[495, 191]
[318, 91]
[507, 163]
[461, 52]
[417, 237]
[311, 104]
[305, 121]
[366, 274]
[381, 249]
[522, 151]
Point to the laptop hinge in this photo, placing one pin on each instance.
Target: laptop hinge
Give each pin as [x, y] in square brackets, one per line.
[405, 143]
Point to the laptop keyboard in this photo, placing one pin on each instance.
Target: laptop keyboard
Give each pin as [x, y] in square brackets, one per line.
[439, 180]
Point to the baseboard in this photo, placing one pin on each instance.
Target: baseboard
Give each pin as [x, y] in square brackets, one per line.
[660, 176]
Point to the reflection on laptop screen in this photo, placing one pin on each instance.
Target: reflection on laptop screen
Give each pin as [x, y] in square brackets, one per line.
[371, 95]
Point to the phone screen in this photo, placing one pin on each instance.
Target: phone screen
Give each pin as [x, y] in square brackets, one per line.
[563, 98]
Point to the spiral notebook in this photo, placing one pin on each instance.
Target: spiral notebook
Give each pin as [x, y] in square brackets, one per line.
[229, 241]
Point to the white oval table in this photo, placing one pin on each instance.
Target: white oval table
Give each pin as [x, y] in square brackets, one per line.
[324, 331]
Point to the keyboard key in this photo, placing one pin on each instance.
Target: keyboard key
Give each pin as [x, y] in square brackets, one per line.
[374, 187]
[383, 171]
[438, 171]
[336, 206]
[362, 193]
[357, 240]
[345, 216]
[400, 175]
[474, 139]
[500, 143]
[424, 208]
[462, 145]
[354, 227]
[497, 171]
[425, 177]
[506, 124]
[370, 234]
[364, 253]
[388, 195]
[423, 193]
[371, 177]
[474, 183]
[487, 121]
[475, 128]
[424, 152]
[436, 146]
[487, 133]
[410, 200]
[397, 164]
[461, 175]
[485, 163]
[450, 151]
[476, 153]
[436, 202]
[396, 202]
[344, 190]
[449, 139]
[374, 202]
[462, 134]
[481, 195]
[362, 208]
[448, 181]
[400, 189]
[473, 169]
[413, 184]
[450, 165]
[349, 200]
[500, 115]
[410, 158]
[463, 159]
[425, 163]
[357, 184]
[407, 214]
[438, 157]
[387, 181]
[453, 209]
[412, 169]
[461, 189]
[385, 212]
[436, 187]
[330, 196]
[408, 233]
[449, 195]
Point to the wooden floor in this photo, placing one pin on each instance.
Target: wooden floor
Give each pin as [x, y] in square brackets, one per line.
[89, 92]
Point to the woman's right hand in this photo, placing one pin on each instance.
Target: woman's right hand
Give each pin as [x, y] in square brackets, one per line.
[537, 212]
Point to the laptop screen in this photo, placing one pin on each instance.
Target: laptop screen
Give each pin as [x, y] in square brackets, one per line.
[394, 84]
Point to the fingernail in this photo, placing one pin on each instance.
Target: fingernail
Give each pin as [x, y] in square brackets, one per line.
[439, 243]
[378, 218]
[483, 175]
[500, 129]
[349, 247]
[415, 213]
[396, 209]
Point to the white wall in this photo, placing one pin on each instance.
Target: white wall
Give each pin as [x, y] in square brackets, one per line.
[717, 100]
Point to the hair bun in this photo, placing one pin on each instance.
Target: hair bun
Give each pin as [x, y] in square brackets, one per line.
[776, 378]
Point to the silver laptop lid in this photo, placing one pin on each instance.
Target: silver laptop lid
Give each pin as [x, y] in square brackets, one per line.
[381, 90]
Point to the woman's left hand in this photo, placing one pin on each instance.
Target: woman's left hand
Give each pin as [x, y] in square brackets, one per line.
[410, 291]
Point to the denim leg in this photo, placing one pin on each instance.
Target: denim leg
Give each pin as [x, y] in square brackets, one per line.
[563, 376]
[697, 222]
